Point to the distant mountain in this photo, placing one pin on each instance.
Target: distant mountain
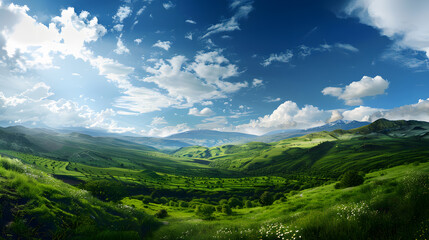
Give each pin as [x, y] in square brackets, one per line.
[289, 133]
[209, 138]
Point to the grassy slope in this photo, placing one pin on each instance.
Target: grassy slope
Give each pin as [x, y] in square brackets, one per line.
[380, 144]
[35, 205]
[391, 204]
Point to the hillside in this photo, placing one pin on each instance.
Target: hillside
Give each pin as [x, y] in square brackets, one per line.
[33, 205]
[279, 135]
[209, 138]
[380, 144]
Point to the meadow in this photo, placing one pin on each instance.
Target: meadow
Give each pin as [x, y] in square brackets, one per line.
[367, 183]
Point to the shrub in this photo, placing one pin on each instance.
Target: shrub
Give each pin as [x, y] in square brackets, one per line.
[350, 179]
[226, 209]
[266, 198]
[205, 211]
[248, 204]
[162, 213]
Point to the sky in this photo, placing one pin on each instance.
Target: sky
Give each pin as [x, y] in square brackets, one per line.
[159, 67]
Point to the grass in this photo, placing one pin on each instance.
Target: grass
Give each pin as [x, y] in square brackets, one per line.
[392, 204]
[35, 205]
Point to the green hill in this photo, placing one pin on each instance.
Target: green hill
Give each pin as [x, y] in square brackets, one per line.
[33, 205]
[377, 145]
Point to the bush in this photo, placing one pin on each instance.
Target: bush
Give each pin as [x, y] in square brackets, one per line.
[162, 213]
[205, 211]
[266, 198]
[248, 204]
[226, 209]
[350, 179]
[234, 202]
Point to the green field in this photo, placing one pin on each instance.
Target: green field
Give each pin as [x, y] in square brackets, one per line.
[367, 183]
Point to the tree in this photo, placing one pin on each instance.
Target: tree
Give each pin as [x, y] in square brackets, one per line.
[350, 179]
[234, 202]
[162, 213]
[248, 204]
[266, 198]
[205, 211]
[226, 209]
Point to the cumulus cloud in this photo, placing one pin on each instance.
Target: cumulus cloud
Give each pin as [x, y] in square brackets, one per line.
[138, 41]
[287, 115]
[404, 23]
[278, 57]
[34, 106]
[120, 47]
[242, 10]
[122, 13]
[205, 112]
[118, 27]
[207, 103]
[353, 93]
[257, 82]
[168, 5]
[163, 44]
[201, 80]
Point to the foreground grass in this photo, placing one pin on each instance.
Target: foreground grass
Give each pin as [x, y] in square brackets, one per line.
[34, 205]
[391, 204]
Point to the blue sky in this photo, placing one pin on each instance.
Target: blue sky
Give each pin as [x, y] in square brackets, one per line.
[156, 67]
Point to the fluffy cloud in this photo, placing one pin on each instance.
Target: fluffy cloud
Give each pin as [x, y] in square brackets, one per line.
[164, 45]
[287, 115]
[200, 80]
[280, 57]
[168, 5]
[138, 41]
[404, 23]
[122, 13]
[257, 82]
[34, 106]
[242, 10]
[120, 47]
[118, 27]
[205, 112]
[353, 92]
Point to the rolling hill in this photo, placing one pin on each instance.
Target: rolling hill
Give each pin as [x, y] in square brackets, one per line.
[377, 145]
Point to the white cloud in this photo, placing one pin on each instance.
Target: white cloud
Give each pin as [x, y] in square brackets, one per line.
[168, 5]
[201, 80]
[168, 130]
[361, 113]
[336, 115]
[191, 21]
[280, 57]
[118, 27]
[189, 35]
[287, 115]
[305, 51]
[242, 10]
[163, 44]
[207, 103]
[257, 82]
[138, 41]
[34, 106]
[205, 112]
[353, 93]
[122, 13]
[346, 46]
[271, 99]
[141, 10]
[120, 47]
[417, 111]
[216, 123]
[404, 23]
[158, 121]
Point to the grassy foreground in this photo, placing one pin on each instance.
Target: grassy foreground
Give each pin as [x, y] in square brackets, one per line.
[391, 204]
[34, 205]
